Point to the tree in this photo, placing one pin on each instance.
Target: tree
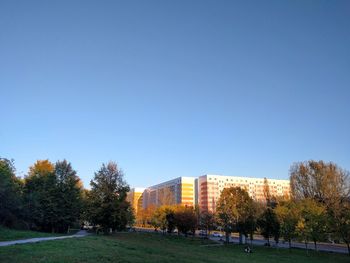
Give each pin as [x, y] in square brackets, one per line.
[53, 196]
[207, 221]
[269, 225]
[85, 206]
[108, 207]
[313, 221]
[146, 214]
[40, 196]
[186, 220]
[339, 221]
[266, 192]
[10, 194]
[232, 210]
[269, 199]
[324, 182]
[170, 218]
[248, 220]
[41, 168]
[164, 218]
[68, 194]
[157, 221]
[327, 184]
[288, 215]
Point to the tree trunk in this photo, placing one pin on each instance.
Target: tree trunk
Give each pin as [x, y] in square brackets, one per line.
[347, 243]
[307, 252]
[315, 245]
[227, 234]
[290, 243]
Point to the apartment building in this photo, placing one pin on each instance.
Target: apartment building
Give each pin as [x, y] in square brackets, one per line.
[210, 187]
[180, 190]
[135, 197]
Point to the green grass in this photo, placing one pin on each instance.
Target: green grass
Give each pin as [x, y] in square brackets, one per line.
[149, 247]
[7, 234]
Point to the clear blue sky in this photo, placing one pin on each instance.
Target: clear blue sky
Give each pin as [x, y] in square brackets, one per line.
[175, 88]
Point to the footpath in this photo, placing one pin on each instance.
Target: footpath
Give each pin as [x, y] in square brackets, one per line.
[81, 233]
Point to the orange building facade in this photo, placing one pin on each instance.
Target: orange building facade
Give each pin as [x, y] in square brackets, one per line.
[135, 198]
[179, 191]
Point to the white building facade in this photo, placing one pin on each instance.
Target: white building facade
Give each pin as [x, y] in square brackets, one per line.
[211, 186]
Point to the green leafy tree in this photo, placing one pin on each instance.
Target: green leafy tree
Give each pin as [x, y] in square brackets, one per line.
[248, 219]
[227, 212]
[69, 195]
[269, 225]
[84, 216]
[159, 218]
[108, 207]
[288, 215]
[10, 194]
[163, 218]
[328, 185]
[40, 196]
[232, 211]
[312, 224]
[186, 220]
[156, 221]
[339, 222]
[303, 232]
[207, 221]
[171, 220]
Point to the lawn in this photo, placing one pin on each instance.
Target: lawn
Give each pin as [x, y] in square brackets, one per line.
[150, 247]
[11, 234]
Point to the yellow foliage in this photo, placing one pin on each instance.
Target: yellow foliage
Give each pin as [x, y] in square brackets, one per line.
[79, 184]
[41, 167]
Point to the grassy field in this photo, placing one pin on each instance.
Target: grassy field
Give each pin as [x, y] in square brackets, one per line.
[11, 234]
[149, 247]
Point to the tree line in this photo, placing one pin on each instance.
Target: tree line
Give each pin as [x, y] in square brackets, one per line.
[51, 198]
[317, 210]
